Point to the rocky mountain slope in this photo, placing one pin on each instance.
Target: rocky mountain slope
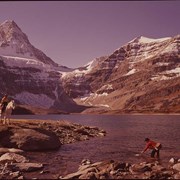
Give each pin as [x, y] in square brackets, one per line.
[14, 42]
[28, 75]
[141, 76]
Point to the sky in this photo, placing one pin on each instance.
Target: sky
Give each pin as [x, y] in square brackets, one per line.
[73, 33]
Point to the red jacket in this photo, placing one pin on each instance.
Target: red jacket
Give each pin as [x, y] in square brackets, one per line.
[150, 145]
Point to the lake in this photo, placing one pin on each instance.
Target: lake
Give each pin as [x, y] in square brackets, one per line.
[125, 137]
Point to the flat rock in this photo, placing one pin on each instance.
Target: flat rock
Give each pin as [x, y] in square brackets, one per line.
[28, 167]
[10, 150]
[13, 157]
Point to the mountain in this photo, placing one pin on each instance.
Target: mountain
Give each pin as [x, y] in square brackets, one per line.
[141, 76]
[28, 75]
[14, 42]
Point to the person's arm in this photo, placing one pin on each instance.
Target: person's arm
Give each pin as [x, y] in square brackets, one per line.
[145, 149]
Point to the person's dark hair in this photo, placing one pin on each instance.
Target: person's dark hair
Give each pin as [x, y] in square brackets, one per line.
[146, 139]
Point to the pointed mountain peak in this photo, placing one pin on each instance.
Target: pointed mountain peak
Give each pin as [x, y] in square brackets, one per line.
[10, 24]
[15, 43]
[9, 31]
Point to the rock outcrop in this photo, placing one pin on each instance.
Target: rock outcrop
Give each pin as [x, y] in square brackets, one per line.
[28, 139]
[121, 170]
[43, 135]
[33, 136]
[13, 166]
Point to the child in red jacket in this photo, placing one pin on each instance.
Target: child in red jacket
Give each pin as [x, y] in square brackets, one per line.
[152, 145]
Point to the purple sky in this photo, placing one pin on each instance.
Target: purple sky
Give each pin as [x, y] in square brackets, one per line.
[74, 33]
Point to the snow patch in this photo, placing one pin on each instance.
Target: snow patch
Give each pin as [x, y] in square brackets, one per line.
[107, 87]
[163, 77]
[143, 39]
[171, 48]
[132, 71]
[21, 62]
[102, 105]
[92, 96]
[90, 65]
[37, 100]
[55, 92]
[176, 71]
[12, 50]
[84, 98]
[80, 72]
[166, 75]
[13, 61]
[64, 74]
[162, 64]
[103, 94]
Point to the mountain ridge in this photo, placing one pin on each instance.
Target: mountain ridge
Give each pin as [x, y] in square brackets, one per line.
[124, 78]
[141, 76]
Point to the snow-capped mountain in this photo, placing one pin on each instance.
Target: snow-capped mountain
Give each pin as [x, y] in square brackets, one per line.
[15, 43]
[141, 76]
[27, 74]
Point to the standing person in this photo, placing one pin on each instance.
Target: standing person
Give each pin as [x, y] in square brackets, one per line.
[152, 145]
[4, 103]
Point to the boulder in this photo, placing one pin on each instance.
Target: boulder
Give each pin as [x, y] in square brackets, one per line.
[158, 168]
[83, 173]
[120, 170]
[173, 161]
[140, 168]
[27, 167]
[177, 167]
[10, 150]
[89, 175]
[13, 157]
[35, 139]
[99, 170]
[177, 176]
[15, 175]
[85, 162]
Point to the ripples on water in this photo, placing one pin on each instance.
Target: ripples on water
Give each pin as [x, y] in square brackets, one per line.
[125, 137]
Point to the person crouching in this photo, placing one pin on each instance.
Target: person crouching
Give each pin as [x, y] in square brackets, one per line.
[155, 146]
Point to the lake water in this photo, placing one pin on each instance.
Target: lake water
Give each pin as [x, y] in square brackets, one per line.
[125, 137]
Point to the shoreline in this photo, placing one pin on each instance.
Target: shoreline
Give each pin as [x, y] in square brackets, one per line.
[28, 110]
[73, 133]
[111, 169]
[116, 114]
[124, 114]
[25, 144]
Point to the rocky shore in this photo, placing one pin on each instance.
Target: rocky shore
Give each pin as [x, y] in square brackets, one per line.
[123, 170]
[24, 136]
